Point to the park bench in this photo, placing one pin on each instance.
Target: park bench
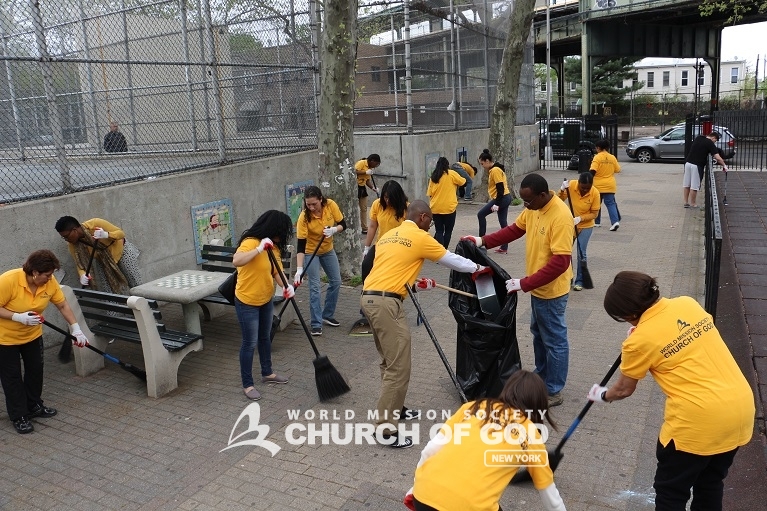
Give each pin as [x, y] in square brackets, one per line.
[106, 316]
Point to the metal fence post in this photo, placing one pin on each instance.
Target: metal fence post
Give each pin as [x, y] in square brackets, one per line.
[188, 74]
[12, 89]
[314, 33]
[89, 72]
[129, 73]
[408, 70]
[219, 112]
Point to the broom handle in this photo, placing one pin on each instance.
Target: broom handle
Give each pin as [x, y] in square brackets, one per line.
[572, 212]
[453, 290]
[285, 305]
[90, 261]
[293, 301]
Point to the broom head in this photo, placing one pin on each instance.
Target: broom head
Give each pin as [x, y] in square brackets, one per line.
[330, 383]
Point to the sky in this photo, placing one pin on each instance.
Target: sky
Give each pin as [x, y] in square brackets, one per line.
[746, 42]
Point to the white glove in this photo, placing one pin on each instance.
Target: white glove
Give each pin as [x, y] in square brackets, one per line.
[377, 192]
[494, 208]
[100, 234]
[329, 231]
[30, 318]
[630, 331]
[565, 185]
[576, 220]
[513, 285]
[365, 251]
[288, 292]
[85, 279]
[596, 394]
[297, 277]
[265, 243]
[369, 171]
[80, 340]
[477, 240]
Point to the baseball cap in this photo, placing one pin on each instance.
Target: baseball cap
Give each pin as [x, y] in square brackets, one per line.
[716, 134]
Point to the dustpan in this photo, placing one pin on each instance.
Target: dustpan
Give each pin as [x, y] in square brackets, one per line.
[488, 300]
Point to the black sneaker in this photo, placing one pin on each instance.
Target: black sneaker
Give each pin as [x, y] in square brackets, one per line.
[331, 321]
[404, 443]
[23, 426]
[316, 330]
[42, 411]
[409, 415]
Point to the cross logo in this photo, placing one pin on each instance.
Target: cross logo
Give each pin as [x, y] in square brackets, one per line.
[253, 413]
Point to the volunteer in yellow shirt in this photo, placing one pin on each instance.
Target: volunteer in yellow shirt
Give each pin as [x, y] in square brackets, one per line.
[584, 198]
[443, 184]
[709, 403]
[24, 294]
[456, 471]
[254, 293]
[467, 172]
[500, 197]
[364, 168]
[317, 223]
[604, 166]
[548, 247]
[115, 266]
[400, 254]
[386, 213]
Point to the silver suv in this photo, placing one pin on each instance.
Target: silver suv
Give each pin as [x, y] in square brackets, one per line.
[670, 144]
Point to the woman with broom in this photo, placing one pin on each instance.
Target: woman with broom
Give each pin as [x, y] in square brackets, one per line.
[464, 441]
[584, 205]
[254, 293]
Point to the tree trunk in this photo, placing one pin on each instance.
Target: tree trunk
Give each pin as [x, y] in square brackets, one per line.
[335, 171]
[501, 141]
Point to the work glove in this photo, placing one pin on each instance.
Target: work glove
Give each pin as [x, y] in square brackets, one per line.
[576, 220]
[483, 270]
[630, 331]
[79, 337]
[288, 292]
[365, 251]
[477, 240]
[377, 192]
[425, 284]
[297, 277]
[565, 185]
[513, 285]
[30, 318]
[494, 208]
[409, 500]
[369, 171]
[329, 231]
[265, 243]
[85, 279]
[596, 394]
[100, 234]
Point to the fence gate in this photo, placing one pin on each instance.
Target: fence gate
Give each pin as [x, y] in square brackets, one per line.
[749, 127]
[567, 133]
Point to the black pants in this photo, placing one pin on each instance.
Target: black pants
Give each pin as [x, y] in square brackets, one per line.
[423, 507]
[22, 393]
[443, 227]
[679, 471]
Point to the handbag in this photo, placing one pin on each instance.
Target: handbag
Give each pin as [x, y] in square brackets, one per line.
[226, 288]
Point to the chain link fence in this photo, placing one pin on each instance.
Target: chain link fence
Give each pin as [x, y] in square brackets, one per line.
[96, 93]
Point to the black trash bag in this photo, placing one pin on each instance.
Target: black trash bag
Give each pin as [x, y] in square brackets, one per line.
[487, 353]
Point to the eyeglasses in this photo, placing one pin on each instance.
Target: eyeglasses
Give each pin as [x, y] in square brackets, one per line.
[65, 234]
[431, 219]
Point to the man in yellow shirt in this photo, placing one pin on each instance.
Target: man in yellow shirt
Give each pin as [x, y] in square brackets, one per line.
[364, 168]
[400, 254]
[549, 227]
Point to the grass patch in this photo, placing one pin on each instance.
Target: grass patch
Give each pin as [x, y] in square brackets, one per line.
[516, 202]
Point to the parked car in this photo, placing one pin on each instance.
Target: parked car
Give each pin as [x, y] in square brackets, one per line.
[567, 136]
[670, 144]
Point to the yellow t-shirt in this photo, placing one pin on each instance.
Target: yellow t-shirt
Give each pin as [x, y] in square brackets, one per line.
[255, 280]
[709, 403]
[468, 168]
[443, 197]
[605, 165]
[399, 257]
[549, 232]
[115, 242]
[462, 474]
[312, 231]
[16, 296]
[586, 206]
[385, 217]
[496, 175]
[360, 168]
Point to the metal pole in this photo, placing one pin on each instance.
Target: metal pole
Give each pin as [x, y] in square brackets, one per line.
[50, 94]
[453, 107]
[188, 73]
[458, 59]
[408, 70]
[17, 122]
[203, 77]
[394, 69]
[89, 73]
[279, 78]
[547, 152]
[129, 75]
[218, 112]
[314, 31]
[488, 112]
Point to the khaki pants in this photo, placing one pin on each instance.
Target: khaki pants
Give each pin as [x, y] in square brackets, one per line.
[392, 338]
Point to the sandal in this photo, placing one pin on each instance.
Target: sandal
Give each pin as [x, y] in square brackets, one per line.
[686, 206]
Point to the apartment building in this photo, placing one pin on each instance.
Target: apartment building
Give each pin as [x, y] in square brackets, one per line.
[677, 77]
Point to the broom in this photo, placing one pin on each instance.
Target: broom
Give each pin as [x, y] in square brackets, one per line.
[587, 282]
[556, 456]
[329, 381]
[66, 347]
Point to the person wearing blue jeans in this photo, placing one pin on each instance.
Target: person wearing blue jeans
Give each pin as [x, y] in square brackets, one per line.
[463, 170]
[500, 197]
[329, 263]
[548, 277]
[584, 200]
[612, 210]
[503, 215]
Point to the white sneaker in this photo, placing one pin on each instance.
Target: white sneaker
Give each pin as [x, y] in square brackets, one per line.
[614, 227]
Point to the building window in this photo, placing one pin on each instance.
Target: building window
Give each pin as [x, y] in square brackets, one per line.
[650, 79]
[666, 78]
[734, 75]
[249, 82]
[376, 74]
[702, 76]
[684, 78]
[572, 86]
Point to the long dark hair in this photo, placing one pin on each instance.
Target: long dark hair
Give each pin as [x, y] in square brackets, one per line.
[524, 391]
[439, 169]
[275, 225]
[312, 192]
[393, 196]
[630, 295]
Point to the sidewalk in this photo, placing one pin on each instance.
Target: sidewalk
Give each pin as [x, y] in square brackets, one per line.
[112, 447]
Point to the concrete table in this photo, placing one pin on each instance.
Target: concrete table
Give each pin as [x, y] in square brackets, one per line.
[185, 287]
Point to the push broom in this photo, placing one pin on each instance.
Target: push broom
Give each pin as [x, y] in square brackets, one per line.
[330, 383]
[66, 347]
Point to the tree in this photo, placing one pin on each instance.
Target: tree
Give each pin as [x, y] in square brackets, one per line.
[735, 10]
[607, 80]
[335, 138]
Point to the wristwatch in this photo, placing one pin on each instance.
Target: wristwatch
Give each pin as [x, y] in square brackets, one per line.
[602, 396]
